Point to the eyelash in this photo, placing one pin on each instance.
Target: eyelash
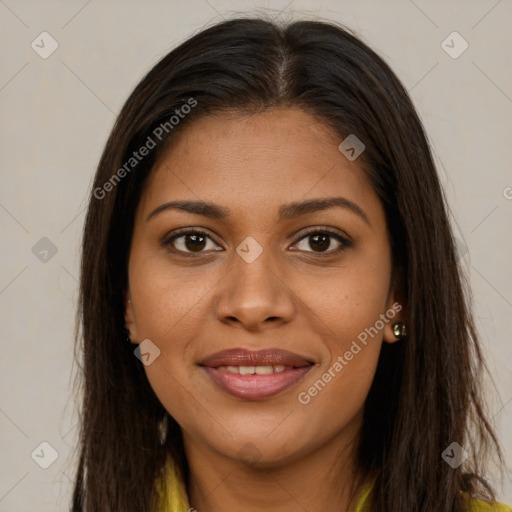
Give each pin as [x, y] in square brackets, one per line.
[345, 243]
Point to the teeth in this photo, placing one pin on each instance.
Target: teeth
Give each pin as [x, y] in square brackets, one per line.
[264, 370]
[246, 370]
[251, 370]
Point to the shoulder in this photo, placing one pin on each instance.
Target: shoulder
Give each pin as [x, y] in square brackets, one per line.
[476, 505]
[362, 502]
[171, 490]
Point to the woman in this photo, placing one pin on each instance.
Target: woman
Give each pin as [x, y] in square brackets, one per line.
[271, 306]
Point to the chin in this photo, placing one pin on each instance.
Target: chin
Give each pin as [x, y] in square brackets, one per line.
[261, 452]
[252, 457]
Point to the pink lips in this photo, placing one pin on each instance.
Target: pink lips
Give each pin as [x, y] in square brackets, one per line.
[288, 369]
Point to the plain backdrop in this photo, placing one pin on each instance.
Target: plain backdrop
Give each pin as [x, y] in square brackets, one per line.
[56, 113]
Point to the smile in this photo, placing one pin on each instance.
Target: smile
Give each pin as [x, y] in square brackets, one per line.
[258, 375]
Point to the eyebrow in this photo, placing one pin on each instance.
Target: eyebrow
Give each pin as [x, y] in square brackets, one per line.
[288, 211]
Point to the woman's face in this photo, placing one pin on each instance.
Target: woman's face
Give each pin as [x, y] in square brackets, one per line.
[269, 321]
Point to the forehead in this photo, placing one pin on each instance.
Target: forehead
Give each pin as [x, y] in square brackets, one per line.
[250, 162]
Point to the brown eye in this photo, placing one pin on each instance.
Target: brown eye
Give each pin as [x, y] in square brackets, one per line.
[195, 243]
[319, 242]
[322, 242]
[191, 242]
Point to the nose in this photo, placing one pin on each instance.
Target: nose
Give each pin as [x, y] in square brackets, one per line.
[254, 295]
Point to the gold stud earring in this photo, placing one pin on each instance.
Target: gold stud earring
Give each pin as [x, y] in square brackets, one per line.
[399, 330]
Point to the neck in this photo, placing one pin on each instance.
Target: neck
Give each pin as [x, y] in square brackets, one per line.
[325, 479]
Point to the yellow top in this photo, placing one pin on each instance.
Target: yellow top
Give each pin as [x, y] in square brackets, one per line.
[176, 500]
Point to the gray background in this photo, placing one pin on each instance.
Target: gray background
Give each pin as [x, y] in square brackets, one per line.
[56, 114]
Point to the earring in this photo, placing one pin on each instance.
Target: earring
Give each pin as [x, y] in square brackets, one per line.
[127, 334]
[399, 330]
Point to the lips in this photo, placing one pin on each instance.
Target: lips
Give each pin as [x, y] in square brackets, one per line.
[255, 375]
[267, 357]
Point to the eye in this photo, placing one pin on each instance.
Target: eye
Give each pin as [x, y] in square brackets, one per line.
[190, 242]
[321, 242]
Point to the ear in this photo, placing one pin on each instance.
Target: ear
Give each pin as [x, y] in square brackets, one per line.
[396, 312]
[129, 318]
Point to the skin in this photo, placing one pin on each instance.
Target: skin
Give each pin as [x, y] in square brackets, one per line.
[274, 453]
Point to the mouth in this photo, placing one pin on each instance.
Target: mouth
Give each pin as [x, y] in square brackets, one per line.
[255, 375]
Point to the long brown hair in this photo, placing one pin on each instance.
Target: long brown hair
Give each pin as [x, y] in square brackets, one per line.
[426, 392]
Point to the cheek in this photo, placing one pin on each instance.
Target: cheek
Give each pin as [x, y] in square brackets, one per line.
[168, 304]
[170, 311]
[347, 301]
[336, 398]
[348, 307]
[179, 398]
[353, 340]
